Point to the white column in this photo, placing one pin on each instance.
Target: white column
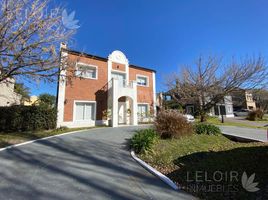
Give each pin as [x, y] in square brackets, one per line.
[154, 94]
[128, 106]
[135, 105]
[114, 103]
[61, 91]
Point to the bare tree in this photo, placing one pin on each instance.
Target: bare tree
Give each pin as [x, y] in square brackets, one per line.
[207, 82]
[261, 98]
[30, 34]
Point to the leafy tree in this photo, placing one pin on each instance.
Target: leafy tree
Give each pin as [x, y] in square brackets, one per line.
[47, 100]
[24, 91]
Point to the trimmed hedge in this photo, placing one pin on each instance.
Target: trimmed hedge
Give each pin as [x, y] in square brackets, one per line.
[27, 118]
[209, 129]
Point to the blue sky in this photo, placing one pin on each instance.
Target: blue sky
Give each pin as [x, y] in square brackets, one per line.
[165, 35]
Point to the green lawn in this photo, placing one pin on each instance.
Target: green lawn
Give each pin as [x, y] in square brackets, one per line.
[11, 138]
[264, 119]
[207, 153]
[216, 121]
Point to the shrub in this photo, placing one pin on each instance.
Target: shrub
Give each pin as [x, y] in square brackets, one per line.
[252, 116]
[172, 124]
[208, 129]
[143, 140]
[255, 114]
[27, 118]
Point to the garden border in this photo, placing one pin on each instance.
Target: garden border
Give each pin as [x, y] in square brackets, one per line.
[153, 171]
[239, 137]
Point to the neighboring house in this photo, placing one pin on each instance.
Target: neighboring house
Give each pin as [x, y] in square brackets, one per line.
[159, 101]
[7, 95]
[104, 90]
[33, 100]
[225, 107]
[243, 99]
[169, 102]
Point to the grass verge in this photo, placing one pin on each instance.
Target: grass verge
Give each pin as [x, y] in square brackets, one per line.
[12, 138]
[181, 159]
[216, 121]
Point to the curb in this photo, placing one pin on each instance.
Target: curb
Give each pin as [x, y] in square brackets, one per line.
[154, 171]
[45, 138]
[241, 137]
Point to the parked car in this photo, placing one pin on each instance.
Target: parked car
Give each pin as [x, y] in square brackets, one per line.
[242, 113]
[190, 118]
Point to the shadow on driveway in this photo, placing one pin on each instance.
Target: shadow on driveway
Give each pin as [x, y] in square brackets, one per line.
[93, 164]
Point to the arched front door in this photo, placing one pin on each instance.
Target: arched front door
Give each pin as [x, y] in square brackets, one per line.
[122, 110]
[125, 107]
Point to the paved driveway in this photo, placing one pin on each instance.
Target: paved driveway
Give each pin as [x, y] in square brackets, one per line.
[248, 133]
[93, 164]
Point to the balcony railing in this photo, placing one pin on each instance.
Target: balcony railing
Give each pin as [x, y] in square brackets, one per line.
[124, 83]
[127, 84]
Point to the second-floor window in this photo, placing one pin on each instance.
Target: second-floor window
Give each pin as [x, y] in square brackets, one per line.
[142, 80]
[86, 71]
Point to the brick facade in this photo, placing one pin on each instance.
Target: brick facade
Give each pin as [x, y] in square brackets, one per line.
[145, 94]
[118, 67]
[86, 89]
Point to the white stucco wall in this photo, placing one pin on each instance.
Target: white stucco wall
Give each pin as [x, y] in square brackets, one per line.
[7, 95]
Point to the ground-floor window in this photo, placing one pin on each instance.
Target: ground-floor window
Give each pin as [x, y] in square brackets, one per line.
[85, 111]
[143, 110]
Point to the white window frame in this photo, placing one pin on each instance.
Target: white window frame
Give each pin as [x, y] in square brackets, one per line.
[83, 101]
[144, 104]
[142, 76]
[88, 65]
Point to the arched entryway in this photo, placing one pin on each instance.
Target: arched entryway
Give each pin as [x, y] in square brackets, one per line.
[125, 110]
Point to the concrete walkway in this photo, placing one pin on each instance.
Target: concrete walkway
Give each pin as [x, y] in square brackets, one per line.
[247, 133]
[93, 164]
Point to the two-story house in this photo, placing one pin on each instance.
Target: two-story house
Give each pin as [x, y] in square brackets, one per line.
[223, 107]
[104, 90]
